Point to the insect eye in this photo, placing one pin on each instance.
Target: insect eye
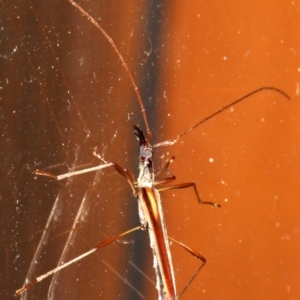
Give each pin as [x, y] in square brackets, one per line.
[145, 153]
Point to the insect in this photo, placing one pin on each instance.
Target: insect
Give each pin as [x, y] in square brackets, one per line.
[145, 184]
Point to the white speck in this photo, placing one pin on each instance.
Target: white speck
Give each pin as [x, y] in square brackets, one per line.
[286, 237]
[225, 200]
[297, 87]
[16, 258]
[247, 53]
[211, 160]
[225, 58]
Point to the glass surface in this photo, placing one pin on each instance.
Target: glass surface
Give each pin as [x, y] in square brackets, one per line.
[64, 92]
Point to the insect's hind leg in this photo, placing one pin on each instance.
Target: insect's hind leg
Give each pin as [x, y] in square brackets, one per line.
[195, 254]
[76, 259]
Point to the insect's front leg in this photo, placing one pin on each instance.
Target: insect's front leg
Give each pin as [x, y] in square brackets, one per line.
[124, 172]
[170, 177]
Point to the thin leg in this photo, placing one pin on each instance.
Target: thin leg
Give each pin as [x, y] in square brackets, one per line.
[99, 246]
[195, 254]
[186, 185]
[178, 186]
[124, 172]
[171, 177]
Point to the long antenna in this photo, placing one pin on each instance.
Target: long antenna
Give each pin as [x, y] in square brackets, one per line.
[175, 140]
[113, 45]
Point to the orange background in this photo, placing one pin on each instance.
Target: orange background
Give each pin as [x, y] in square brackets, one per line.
[204, 55]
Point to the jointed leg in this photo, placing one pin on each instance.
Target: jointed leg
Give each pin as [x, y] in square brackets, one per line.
[187, 185]
[171, 177]
[195, 254]
[99, 246]
[124, 172]
[181, 185]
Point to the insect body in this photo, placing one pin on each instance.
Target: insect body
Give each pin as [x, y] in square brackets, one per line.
[147, 193]
[152, 217]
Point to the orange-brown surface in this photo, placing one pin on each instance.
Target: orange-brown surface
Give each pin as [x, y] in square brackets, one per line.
[204, 55]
